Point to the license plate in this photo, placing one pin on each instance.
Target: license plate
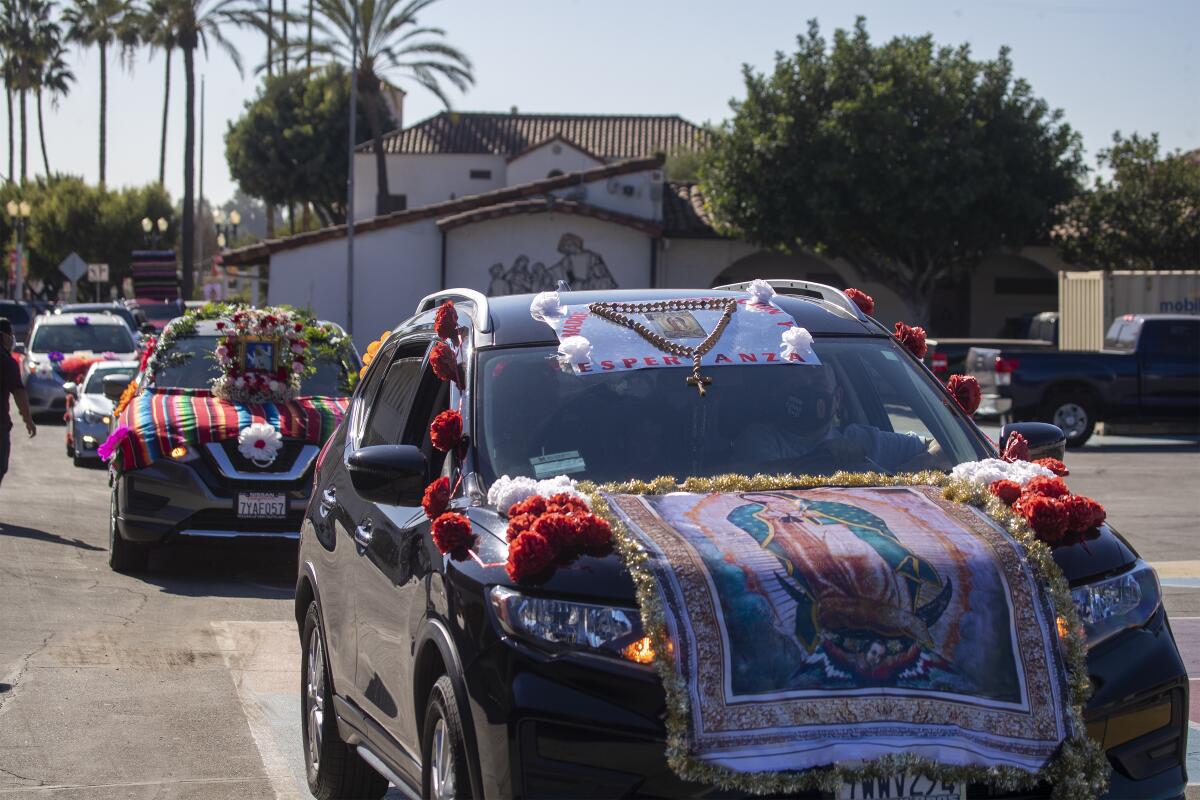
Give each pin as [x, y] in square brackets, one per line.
[902, 787]
[261, 505]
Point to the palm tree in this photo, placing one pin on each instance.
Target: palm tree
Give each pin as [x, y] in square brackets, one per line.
[159, 35]
[101, 23]
[390, 41]
[8, 66]
[31, 40]
[56, 78]
[194, 24]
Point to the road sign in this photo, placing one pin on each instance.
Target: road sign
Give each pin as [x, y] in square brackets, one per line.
[98, 273]
[73, 267]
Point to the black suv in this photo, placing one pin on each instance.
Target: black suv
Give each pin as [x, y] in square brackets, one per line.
[449, 679]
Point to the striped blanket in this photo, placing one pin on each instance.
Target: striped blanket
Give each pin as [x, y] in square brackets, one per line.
[162, 419]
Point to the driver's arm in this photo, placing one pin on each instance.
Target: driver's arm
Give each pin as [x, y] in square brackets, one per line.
[889, 450]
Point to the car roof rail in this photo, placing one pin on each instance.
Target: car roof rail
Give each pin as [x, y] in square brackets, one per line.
[817, 291]
[481, 318]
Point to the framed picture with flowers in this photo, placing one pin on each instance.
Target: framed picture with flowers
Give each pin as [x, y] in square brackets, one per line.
[258, 354]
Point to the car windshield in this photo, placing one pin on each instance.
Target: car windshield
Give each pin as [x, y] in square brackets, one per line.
[160, 312]
[73, 338]
[866, 407]
[95, 384]
[191, 364]
[14, 312]
[1123, 335]
[117, 311]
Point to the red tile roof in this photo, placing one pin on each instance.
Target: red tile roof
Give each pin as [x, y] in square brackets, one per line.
[549, 205]
[684, 214]
[610, 137]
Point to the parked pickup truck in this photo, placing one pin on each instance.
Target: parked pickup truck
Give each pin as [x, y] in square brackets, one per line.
[1148, 374]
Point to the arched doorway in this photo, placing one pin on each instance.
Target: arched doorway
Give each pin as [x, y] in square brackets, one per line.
[771, 264]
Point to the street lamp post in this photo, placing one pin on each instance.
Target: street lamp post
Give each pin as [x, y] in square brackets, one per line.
[19, 212]
[226, 226]
[154, 230]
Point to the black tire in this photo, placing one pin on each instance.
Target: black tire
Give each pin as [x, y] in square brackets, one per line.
[443, 730]
[334, 769]
[1074, 412]
[123, 555]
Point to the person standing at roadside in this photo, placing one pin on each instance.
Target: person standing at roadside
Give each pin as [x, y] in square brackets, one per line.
[10, 383]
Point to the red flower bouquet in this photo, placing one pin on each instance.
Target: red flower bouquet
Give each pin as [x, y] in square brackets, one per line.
[534, 504]
[864, 301]
[1084, 513]
[528, 555]
[445, 432]
[452, 535]
[593, 533]
[1007, 491]
[1054, 465]
[1046, 515]
[558, 530]
[1047, 487]
[445, 323]
[966, 391]
[437, 498]
[913, 338]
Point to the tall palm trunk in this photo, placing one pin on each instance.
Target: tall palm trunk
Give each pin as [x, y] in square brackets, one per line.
[188, 232]
[284, 60]
[270, 209]
[162, 150]
[374, 100]
[103, 107]
[12, 148]
[42, 135]
[308, 38]
[24, 139]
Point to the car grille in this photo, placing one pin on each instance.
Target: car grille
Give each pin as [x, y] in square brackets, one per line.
[283, 462]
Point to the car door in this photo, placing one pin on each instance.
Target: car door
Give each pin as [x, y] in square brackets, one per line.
[1169, 351]
[383, 537]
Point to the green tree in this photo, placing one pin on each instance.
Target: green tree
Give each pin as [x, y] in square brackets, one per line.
[100, 24]
[390, 42]
[290, 144]
[1146, 216]
[911, 161]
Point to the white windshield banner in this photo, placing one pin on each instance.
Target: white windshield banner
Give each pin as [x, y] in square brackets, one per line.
[758, 333]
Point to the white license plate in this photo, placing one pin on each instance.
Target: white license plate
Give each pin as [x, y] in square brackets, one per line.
[261, 505]
[902, 787]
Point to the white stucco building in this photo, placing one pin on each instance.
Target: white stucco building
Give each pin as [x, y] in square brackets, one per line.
[508, 203]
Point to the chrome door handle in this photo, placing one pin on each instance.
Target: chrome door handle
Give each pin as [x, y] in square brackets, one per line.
[328, 501]
[362, 534]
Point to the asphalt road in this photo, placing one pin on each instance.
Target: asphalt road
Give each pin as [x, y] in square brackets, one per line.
[183, 683]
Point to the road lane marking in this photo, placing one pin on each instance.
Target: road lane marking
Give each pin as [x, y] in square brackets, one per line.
[263, 659]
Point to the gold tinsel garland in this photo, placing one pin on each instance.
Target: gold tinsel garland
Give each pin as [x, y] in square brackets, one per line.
[1080, 770]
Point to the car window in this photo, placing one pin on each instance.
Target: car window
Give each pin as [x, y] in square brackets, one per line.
[95, 384]
[14, 312]
[1178, 338]
[190, 364]
[1122, 335]
[391, 405]
[73, 338]
[866, 407]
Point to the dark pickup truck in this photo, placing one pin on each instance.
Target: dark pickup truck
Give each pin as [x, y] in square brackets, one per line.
[1148, 374]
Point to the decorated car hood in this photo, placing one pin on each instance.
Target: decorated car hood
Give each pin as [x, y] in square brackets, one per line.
[157, 420]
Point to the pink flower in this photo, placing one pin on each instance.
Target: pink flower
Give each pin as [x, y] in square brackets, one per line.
[297, 367]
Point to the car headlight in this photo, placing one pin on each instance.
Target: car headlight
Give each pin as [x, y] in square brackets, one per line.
[566, 625]
[1110, 606]
[89, 417]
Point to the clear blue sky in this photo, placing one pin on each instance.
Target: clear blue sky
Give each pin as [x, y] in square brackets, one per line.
[1132, 65]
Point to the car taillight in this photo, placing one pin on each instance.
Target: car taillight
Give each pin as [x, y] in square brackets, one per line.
[1005, 367]
[939, 364]
[320, 459]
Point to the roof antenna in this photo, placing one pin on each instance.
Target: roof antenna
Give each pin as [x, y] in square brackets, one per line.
[563, 286]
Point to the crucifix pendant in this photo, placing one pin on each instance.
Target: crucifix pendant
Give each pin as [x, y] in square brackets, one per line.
[698, 380]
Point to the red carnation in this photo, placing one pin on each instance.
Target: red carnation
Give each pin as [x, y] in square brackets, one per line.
[528, 555]
[565, 503]
[913, 338]
[864, 301]
[534, 505]
[445, 432]
[1007, 491]
[1047, 487]
[452, 534]
[445, 324]
[519, 524]
[1054, 465]
[445, 363]
[1047, 516]
[1082, 513]
[220, 325]
[592, 531]
[557, 530]
[437, 498]
[298, 327]
[966, 391]
[1016, 448]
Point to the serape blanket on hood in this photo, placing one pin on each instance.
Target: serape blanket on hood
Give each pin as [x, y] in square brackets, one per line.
[159, 420]
[841, 625]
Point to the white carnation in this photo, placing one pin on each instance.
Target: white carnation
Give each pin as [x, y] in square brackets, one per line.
[760, 292]
[797, 341]
[984, 472]
[506, 491]
[575, 350]
[545, 305]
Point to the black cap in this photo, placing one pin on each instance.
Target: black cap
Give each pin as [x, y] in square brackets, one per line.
[5, 325]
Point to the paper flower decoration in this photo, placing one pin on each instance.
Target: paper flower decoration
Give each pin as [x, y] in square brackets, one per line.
[913, 338]
[760, 292]
[545, 305]
[445, 322]
[574, 350]
[82, 319]
[864, 301]
[797, 345]
[109, 448]
[965, 389]
[259, 443]
[55, 357]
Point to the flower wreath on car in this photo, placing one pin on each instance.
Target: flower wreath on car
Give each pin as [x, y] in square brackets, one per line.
[551, 522]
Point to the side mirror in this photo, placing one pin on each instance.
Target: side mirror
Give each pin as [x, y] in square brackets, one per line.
[1045, 440]
[393, 474]
[148, 329]
[71, 388]
[114, 386]
[19, 348]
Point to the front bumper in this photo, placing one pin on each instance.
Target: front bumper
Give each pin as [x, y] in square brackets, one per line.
[994, 405]
[45, 393]
[555, 728]
[171, 499]
[87, 437]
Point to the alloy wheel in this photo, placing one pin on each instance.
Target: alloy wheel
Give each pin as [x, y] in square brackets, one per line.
[1072, 419]
[442, 768]
[314, 698]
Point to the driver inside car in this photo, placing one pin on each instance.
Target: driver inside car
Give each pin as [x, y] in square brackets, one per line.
[804, 425]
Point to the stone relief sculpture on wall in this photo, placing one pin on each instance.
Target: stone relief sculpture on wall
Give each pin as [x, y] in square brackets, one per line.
[581, 268]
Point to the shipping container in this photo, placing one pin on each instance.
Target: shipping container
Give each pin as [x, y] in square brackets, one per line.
[1089, 301]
